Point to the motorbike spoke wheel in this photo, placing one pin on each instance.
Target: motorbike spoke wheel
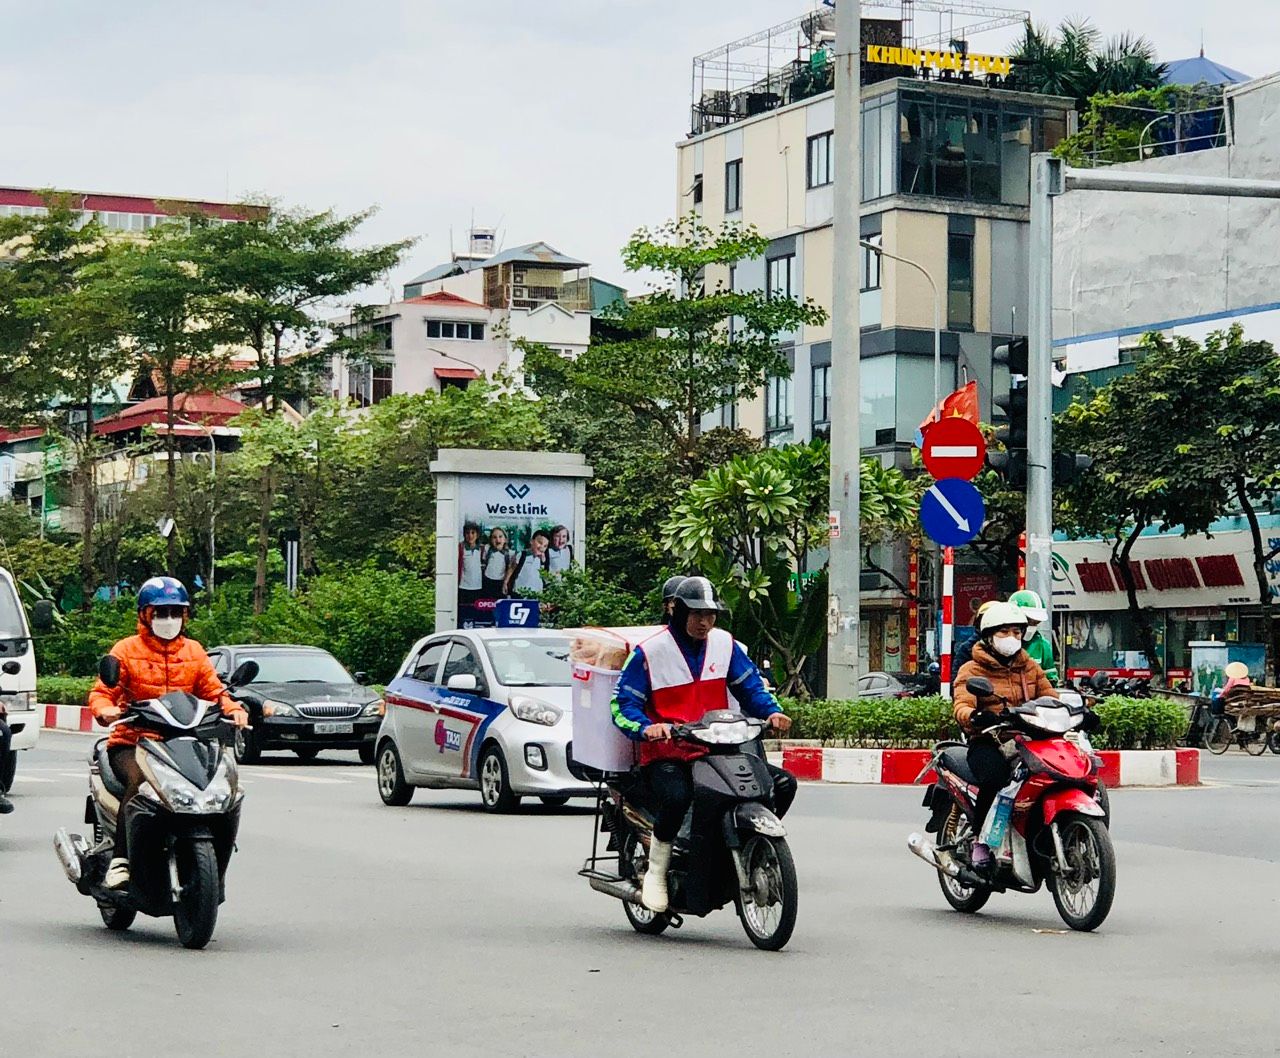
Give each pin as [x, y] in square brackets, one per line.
[632, 863]
[196, 912]
[1273, 740]
[768, 911]
[957, 831]
[1084, 890]
[1220, 736]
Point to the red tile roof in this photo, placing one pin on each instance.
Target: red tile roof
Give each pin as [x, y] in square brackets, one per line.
[444, 299]
[167, 207]
[208, 408]
[23, 433]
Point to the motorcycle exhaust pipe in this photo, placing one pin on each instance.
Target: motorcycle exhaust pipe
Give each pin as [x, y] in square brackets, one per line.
[619, 890]
[70, 849]
[925, 849]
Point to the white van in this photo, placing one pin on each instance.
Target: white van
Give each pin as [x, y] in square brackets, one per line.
[18, 672]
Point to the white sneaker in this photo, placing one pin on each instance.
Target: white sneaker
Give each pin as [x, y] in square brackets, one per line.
[117, 874]
[653, 891]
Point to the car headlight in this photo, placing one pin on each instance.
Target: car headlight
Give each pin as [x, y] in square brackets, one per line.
[535, 710]
[377, 708]
[182, 796]
[270, 707]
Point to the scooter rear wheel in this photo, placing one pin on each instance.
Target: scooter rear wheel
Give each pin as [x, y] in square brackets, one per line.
[196, 914]
[768, 914]
[958, 895]
[633, 862]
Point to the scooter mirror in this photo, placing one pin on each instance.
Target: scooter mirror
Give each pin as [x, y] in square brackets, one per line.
[979, 686]
[109, 670]
[1098, 680]
[246, 672]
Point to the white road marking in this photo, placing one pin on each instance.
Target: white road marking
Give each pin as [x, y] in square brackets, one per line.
[32, 778]
[315, 780]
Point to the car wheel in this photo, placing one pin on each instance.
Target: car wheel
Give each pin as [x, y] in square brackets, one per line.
[392, 788]
[246, 747]
[495, 782]
[307, 753]
[367, 754]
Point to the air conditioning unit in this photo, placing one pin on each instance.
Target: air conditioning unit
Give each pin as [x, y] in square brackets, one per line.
[519, 293]
[517, 277]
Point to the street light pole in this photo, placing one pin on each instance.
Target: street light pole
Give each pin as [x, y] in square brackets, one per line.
[937, 315]
[845, 572]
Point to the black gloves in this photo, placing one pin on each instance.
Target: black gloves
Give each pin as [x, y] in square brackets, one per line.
[981, 720]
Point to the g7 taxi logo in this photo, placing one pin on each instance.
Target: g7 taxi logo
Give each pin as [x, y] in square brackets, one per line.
[446, 739]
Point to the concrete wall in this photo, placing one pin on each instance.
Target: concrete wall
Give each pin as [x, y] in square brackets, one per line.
[1131, 261]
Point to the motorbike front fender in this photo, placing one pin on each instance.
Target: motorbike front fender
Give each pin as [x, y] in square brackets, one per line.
[755, 818]
[1058, 801]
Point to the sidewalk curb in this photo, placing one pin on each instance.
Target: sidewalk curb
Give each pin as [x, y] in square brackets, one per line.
[67, 718]
[896, 767]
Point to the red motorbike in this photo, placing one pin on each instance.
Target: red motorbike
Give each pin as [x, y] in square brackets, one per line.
[1056, 832]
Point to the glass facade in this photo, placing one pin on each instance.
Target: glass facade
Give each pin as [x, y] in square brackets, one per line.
[966, 148]
[897, 395]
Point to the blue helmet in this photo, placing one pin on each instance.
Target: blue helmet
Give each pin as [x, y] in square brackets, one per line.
[162, 591]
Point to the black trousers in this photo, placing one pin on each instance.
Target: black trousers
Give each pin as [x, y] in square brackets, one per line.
[6, 739]
[124, 762]
[671, 783]
[991, 769]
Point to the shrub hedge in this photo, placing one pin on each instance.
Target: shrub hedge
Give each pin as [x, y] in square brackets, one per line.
[917, 723]
[63, 690]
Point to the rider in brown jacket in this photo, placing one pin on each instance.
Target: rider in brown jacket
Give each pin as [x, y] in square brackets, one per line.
[999, 657]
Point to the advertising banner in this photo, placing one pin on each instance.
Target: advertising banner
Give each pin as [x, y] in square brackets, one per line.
[513, 532]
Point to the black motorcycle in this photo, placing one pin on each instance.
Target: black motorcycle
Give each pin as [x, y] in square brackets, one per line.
[731, 848]
[181, 824]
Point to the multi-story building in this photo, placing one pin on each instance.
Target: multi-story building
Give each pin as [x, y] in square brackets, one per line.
[469, 316]
[946, 152]
[124, 213]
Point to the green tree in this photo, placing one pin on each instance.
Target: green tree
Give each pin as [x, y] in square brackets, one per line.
[1141, 431]
[1075, 61]
[685, 349]
[752, 526]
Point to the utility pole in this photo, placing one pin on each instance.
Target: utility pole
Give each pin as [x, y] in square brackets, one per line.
[845, 573]
[1046, 183]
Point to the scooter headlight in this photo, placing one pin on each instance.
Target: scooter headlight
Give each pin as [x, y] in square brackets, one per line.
[726, 733]
[181, 795]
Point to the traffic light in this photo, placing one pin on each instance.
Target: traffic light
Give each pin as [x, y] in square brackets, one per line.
[1011, 410]
[1067, 466]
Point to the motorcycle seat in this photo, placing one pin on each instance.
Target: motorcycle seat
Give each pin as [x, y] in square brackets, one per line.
[109, 777]
[956, 760]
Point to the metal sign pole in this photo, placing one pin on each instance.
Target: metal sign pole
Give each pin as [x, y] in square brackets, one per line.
[948, 618]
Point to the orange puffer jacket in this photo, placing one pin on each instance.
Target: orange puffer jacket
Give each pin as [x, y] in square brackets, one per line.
[150, 667]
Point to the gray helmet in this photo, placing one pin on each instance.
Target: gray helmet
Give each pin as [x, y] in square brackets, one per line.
[697, 593]
[670, 586]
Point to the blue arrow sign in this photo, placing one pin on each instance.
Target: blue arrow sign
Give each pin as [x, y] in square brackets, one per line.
[952, 512]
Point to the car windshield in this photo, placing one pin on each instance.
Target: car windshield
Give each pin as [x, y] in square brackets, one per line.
[296, 666]
[542, 662]
[11, 624]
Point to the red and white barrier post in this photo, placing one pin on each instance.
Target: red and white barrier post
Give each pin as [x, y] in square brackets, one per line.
[948, 618]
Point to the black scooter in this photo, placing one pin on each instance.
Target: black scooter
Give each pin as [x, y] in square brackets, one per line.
[182, 823]
[732, 848]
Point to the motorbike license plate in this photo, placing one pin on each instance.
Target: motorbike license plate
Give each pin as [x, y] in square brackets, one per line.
[334, 728]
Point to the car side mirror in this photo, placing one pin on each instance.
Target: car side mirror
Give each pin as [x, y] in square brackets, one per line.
[362, 678]
[42, 615]
[979, 687]
[463, 681]
[246, 672]
[109, 670]
[11, 668]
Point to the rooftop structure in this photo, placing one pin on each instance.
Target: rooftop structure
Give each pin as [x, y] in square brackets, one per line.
[1199, 70]
[791, 61]
[125, 212]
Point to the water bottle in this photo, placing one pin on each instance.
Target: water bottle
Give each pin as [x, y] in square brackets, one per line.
[998, 820]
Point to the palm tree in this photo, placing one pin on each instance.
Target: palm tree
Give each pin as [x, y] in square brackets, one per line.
[1074, 61]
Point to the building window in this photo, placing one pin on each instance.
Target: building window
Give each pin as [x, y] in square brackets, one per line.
[370, 383]
[729, 409]
[473, 332]
[780, 271]
[777, 409]
[382, 335]
[871, 262]
[960, 281]
[879, 146]
[818, 165]
[821, 399]
[697, 189]
[733, 186]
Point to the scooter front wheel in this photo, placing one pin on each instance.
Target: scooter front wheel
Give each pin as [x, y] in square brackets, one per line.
[1084, 889]
[196, 912]
[768, 911]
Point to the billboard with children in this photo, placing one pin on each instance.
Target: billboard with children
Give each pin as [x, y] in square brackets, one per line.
[514, 532]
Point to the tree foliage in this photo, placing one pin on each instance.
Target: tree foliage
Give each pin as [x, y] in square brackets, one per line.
[1075, 61]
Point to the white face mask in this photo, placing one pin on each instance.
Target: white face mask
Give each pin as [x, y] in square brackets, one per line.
[166, 628]
[1007, 646]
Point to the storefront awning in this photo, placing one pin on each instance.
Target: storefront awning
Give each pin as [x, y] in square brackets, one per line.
[457, 372]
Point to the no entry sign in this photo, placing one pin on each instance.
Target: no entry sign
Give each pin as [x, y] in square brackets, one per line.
[953, 448]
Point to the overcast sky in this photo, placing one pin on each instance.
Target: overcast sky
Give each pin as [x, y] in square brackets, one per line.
[552, 119]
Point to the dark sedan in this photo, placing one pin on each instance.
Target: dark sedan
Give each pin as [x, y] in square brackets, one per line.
[302, 700]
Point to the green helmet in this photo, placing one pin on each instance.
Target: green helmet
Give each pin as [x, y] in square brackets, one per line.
[1030, 603]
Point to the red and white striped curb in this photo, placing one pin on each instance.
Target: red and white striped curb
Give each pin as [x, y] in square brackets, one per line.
[68, 718]
[1126, 767]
